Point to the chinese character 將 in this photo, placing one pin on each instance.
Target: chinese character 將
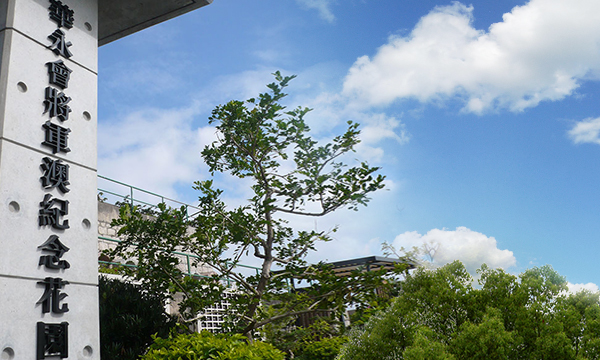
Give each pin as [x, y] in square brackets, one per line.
[51, 212]
[57, 249]
[60, 46]
[53, 296]
[56, 104]
[61, 14]
[56, 137]
[59, 74]
[52, 340]
[56, 175]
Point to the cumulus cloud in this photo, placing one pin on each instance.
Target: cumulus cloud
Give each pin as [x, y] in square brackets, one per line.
[586, 131]
[322, 6]
[470, 247]
[154, 149]
[575, 288]
[541, 51]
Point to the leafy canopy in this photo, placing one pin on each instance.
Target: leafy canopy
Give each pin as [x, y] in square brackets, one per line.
[289, 174]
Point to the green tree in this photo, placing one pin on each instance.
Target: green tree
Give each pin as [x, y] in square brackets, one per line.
[289, 174]
[508, 317]
[129, 316]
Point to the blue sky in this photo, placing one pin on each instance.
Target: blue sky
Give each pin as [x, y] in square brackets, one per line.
[483, 116]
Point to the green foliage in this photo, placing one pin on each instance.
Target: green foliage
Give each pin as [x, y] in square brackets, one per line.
[200, 346]
[289, 173]
[129, 317]
[438, 314]
[325, 349]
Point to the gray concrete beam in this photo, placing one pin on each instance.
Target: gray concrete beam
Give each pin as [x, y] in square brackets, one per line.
[119, 18]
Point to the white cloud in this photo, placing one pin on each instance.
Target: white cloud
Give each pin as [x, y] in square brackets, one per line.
[541, 51]
[322, 6]
[154, 149]
[586, 131]
[575, 288]
[470, 247]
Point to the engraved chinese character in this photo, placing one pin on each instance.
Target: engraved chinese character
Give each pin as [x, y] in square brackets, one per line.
[57, 249]
[52, 296]
[60, 46]
[56, 137]
[59, 74]
[56, 175]
[51, 212]
[61, 14]
[52, 340]
[56, 104]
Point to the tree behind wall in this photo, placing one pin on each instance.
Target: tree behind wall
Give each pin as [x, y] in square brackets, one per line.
[128, 319]
[289, 174]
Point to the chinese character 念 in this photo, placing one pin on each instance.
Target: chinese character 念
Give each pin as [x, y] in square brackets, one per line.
[61, 14]
[59, 74]
[58, 249]
[56, 174]
[52, 295]
[60, 46]
[52, 340]
[56, 137]
[56, 104]
[50, 215]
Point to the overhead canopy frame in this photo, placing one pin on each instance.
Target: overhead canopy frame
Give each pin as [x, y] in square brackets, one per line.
[119, 18]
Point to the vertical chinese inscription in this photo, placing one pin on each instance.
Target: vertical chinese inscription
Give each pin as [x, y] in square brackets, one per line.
[53, 338]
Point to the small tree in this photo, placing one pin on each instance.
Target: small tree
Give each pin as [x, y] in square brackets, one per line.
[290, 174]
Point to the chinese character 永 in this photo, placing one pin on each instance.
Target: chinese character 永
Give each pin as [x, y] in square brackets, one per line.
[51, 212]
[59, 74]
[56, 175]
[52, 296]
[57, 249]
[52, 340]
[60, 46]
[56, 137]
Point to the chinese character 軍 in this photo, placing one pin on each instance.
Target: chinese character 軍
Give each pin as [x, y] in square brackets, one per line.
[56, 137]
[50, 215]
[59, 74]
[56, 104]
[56, 174]
[61, 14]
[53, 296]
[52, 340]
[58, 249]
[60, 46]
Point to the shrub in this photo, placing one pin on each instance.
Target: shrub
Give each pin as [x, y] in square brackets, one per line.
[128, 319]
[205, 345]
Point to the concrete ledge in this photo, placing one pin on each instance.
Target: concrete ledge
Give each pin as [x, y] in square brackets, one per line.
[119, 18]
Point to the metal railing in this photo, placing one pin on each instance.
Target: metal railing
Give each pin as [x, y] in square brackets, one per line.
[131, 198]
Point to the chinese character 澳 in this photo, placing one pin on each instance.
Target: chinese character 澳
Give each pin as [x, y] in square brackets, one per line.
[59, 74]
[57, 249]
[56, 137]
[61, 14]
[51, 215]
[56, 104]
[53, 296]
[52, 340]
[56, 174]
[60, 46]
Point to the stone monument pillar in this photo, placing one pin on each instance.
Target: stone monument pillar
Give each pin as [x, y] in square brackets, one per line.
[48, 204]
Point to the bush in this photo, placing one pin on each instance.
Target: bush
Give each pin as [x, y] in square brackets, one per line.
[325, 349]
[128, 319]
[205, 345]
